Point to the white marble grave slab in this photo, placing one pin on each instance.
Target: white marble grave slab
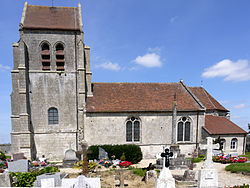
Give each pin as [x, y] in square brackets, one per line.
[49, 182]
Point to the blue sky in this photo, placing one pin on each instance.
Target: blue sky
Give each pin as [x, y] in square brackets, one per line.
[153, 41]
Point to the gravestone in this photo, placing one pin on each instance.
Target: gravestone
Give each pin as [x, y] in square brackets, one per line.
[81, 182]
[18, 166]
[121, 179]
[208, 175]
[45, 180]
[70, 158]
[102, 154]
[18, 156]
[5, 180]
[165, 179]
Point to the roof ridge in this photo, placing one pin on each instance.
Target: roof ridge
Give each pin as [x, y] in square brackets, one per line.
[193, 95]
[135, 82]
[206, 93]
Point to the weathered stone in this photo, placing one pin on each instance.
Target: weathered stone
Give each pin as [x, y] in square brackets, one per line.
[18, 166]
[102, 154]
[70, 158]
[5, 180]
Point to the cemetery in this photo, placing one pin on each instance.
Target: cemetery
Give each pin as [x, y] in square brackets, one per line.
[122, 166]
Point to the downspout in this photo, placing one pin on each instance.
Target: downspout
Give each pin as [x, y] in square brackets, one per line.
[197, 130]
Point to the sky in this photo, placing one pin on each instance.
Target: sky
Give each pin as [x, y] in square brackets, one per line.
[202, 42]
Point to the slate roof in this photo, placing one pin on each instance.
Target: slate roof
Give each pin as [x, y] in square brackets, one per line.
[221, 125]
[206, 99]
[51, 18]
[128, 97]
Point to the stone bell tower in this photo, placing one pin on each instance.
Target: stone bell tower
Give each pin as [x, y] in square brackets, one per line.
[51, 79]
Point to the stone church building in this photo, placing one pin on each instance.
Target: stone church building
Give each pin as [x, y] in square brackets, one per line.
[55, 105]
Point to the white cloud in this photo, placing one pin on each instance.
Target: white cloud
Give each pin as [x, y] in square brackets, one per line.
[149, 60]
[232, 71]
[240, 106]
[109, 66]
[4, 67]
[173, 19]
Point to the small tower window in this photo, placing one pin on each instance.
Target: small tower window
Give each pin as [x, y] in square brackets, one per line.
[53, 115]
[45, 56]
[59, 57]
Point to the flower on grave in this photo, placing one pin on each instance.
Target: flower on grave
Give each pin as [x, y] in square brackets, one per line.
[35, 163]
[43, 163]
[107, 164]
[125, 164]
[113, 157]
[24, 157]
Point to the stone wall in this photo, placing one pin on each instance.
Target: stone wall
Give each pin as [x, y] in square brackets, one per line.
[156, 130]
[5, 148]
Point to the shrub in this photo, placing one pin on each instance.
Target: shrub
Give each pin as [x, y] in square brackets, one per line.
[132, 152]
[238, 167]
[123, 158]
[27, 179]
[2, 156]
[138, 171]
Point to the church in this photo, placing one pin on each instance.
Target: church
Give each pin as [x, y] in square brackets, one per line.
[55, 105]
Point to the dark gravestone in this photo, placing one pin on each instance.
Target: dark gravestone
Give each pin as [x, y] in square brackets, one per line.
[103, 154]
[18, 156]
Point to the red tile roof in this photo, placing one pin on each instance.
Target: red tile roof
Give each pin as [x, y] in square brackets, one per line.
[52, 18]
[124, 97]
[221, 125]
[206, 99]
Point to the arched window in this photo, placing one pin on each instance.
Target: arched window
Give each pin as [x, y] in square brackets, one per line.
[183, 129]
[59, 57]
[133, 130]
[45, 56]
[53, 115]
[233, 144]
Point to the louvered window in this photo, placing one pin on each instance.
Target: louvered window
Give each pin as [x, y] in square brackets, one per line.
[45, 56]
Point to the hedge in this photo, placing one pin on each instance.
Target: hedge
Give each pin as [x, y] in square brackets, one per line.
[132, 152]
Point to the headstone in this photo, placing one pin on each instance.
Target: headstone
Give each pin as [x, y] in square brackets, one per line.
[189, 175]
[81, 182]
[46, 179]
[121, 179]
[150, 175]
[208, 175]
[103, 154]
[70, 158]
[5, 180]
[165, 179]
[48, 182]
[18, 166]
[18, 156]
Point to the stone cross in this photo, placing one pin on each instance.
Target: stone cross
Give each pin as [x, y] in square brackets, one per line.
[167, 154]
[84, 153]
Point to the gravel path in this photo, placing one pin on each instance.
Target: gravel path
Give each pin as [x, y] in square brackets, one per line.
[225, 178]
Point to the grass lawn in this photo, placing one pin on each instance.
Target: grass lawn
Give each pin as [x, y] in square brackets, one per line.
[238, 167]
[247, 155]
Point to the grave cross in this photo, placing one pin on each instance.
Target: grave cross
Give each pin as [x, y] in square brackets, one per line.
[84, 153]
[167, 154]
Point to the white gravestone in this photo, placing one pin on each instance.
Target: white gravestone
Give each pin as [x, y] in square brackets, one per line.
[81, 182]
[165, 179]
[49, 182]
[208, 174]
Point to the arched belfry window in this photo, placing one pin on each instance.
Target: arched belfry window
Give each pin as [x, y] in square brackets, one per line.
[183, 129]
[133, 130]
[45, 56]
[60, 57]
[53, 115]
